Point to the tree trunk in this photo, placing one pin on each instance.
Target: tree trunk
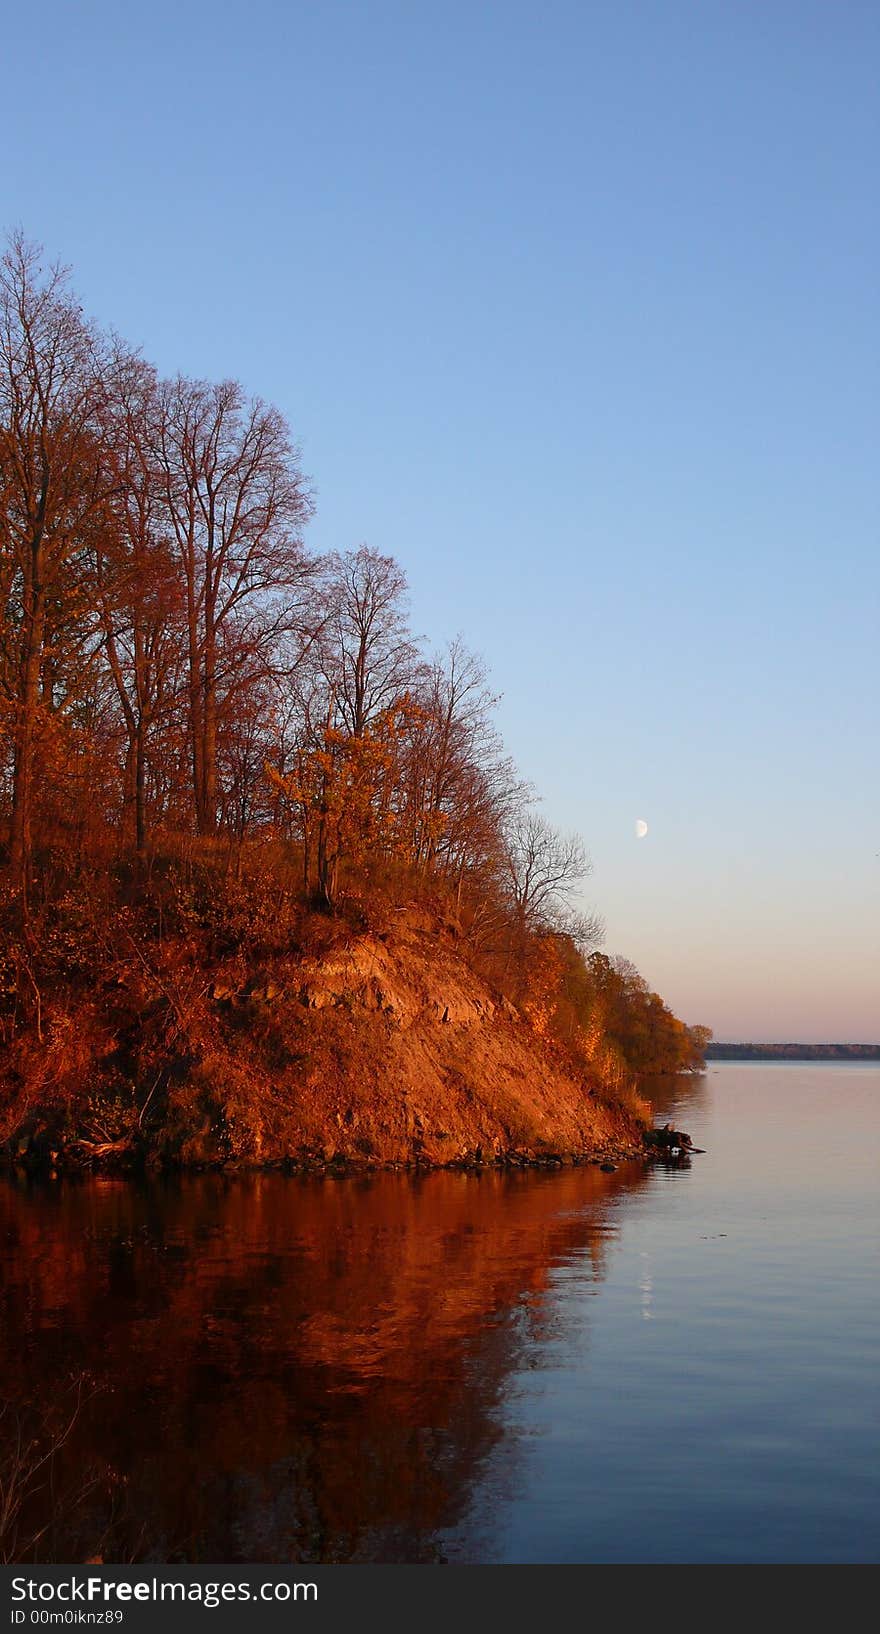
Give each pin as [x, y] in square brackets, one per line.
[307, 854]
[140, 816]
[23, 773]
[129, 784]
[196, 723]
[209, 741]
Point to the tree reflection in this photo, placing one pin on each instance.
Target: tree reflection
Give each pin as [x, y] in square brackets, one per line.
[289, 1370]
[674, 1095]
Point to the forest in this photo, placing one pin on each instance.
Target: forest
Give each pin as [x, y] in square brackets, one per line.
[216, 741]
[718, 1051]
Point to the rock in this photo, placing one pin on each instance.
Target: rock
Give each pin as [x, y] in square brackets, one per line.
[315, 998]
[666, 1138]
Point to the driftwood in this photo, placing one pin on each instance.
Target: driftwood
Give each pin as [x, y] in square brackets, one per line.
[104, 1148]
[669, 1142]
[124, 1153]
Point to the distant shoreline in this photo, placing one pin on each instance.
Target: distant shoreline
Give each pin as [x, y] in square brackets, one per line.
[792, 1052]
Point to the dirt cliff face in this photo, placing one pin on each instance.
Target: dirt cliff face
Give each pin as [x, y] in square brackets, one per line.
[384, 1048]
[392, 1050]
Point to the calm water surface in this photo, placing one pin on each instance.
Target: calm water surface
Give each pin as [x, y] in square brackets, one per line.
[666, 1365]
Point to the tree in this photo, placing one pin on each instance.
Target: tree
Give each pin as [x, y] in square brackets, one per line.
[544, 869]
[347, 789]
[57, 478]
[237, 503]
[138, 589]
[370, 657]
[458, 737]
[637, 1025]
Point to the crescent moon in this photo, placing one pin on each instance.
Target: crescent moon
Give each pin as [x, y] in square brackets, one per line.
[641, 828]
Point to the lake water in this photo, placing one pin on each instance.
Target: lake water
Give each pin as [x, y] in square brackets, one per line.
[652, 1365]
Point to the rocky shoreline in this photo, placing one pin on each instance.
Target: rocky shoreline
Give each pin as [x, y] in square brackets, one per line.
[35, 1157]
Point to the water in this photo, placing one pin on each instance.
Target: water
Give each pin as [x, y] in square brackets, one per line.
[665, 1365]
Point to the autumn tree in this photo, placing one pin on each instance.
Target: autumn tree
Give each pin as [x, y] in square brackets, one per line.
[347, 788]
[237, 503]
[57, 478]
[637, 1024]
[357, 720]
[543, 869]
[464, 786]
[459, 736]
[172, 661]
[137, 588]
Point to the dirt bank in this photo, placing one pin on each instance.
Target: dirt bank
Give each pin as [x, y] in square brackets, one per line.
[384, 1048]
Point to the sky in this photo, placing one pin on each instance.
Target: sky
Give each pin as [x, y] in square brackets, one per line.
[572, 307]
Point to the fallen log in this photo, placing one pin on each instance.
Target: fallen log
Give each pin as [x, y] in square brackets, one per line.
[673, 1142]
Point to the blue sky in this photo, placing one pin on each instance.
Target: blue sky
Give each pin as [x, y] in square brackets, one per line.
[573, 309]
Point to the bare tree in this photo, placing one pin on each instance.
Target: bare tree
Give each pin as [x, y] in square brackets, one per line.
[140, 607]
[544, 870]
[467, 786]
[370, 657]
[56, 481]
[30, 1444]
[237, 503]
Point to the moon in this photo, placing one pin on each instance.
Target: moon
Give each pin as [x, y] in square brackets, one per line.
[641, 828]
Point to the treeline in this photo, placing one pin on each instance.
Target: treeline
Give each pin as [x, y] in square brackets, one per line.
[792, 1052]
[190, 697]
[173, 661]
[628, 1027]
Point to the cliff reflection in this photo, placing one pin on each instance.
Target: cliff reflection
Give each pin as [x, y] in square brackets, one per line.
[286, 1369]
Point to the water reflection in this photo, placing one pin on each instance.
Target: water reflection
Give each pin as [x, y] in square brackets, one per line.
[280, 1369]
[676, 1096]
[407, 1370]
